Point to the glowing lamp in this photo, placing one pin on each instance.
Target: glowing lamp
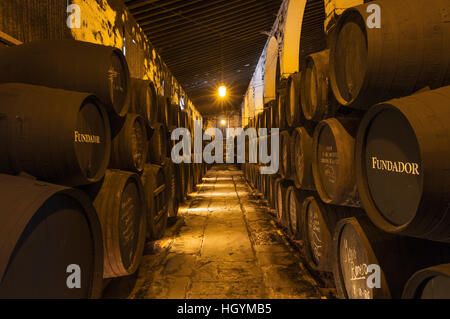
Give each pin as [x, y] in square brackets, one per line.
[222, 91]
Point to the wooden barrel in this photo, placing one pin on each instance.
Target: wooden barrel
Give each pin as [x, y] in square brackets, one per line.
[157, 150]
[396, 146]
[317, 222]
[282, 212]
[44, 229]
[170, 181]
[175, 117]
[70, 65]
[278, 181]
[274, 119]
[370, 65]
[163, 116]
[285, 155]
[121, 208]
[273, 191]
[301, 158]
[129, 149]
[429, 283]
[283, 106]
[59, 136]
[294, 201]
[294, 114]
[156, 194]
[317, 100]
[169, 115]
[268, 112]
[333, 161]
[357, 244]
[143, 99]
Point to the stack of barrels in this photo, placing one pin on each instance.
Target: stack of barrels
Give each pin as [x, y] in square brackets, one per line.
[363, 184]
[85, 173]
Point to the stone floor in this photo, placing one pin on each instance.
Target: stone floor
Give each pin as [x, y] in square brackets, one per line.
[223, 245]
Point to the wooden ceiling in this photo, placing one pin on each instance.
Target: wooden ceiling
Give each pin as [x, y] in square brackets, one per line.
[208, 42]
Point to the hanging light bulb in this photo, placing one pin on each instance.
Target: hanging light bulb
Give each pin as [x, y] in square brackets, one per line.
[222, 91]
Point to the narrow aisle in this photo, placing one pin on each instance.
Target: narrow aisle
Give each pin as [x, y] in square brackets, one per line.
[224, 246]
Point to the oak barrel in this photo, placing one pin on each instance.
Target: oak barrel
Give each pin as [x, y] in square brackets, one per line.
[129, 149]
[282, 212]
[317, 100]
[333, 161]
[58, 136]
[429, 283]
[294, 114]
[301, 158]
[294, 202]
[405, 144]
[44, 230]
[121, 208]
[143, 99]
[283, 106]
[71, 65]
[285, 155]
[410, 50]
[317, 222]
[156, 193]
[358, 244]
[157, 150]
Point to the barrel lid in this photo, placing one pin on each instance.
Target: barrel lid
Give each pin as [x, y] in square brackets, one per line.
[353, 254]
[118, 75]
[429, 283]
[25, 207]
[389, 166]
[314, 220]
[348, 57]
[92, 143]
[327, 161]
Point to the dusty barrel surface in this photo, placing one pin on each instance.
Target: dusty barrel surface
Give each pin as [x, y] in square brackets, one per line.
[163, 115]
[317, 99]
[396, 146]
[285, 155]
[373, 64]
[294, 114]
[274, 118]
[157, 149]
[429, 283]
[283, 105]
[143, 99]
[175, 117]
[333, 161]
[301, 158]
[44, 229]
[358, 244]
[156, 194]
[129, 149]
[121, 208]
[282, 210]
[317, 222]
[59, 136]
[92, 68]
[294, 202]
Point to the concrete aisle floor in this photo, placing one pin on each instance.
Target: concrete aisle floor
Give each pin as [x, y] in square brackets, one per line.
[224, 245]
